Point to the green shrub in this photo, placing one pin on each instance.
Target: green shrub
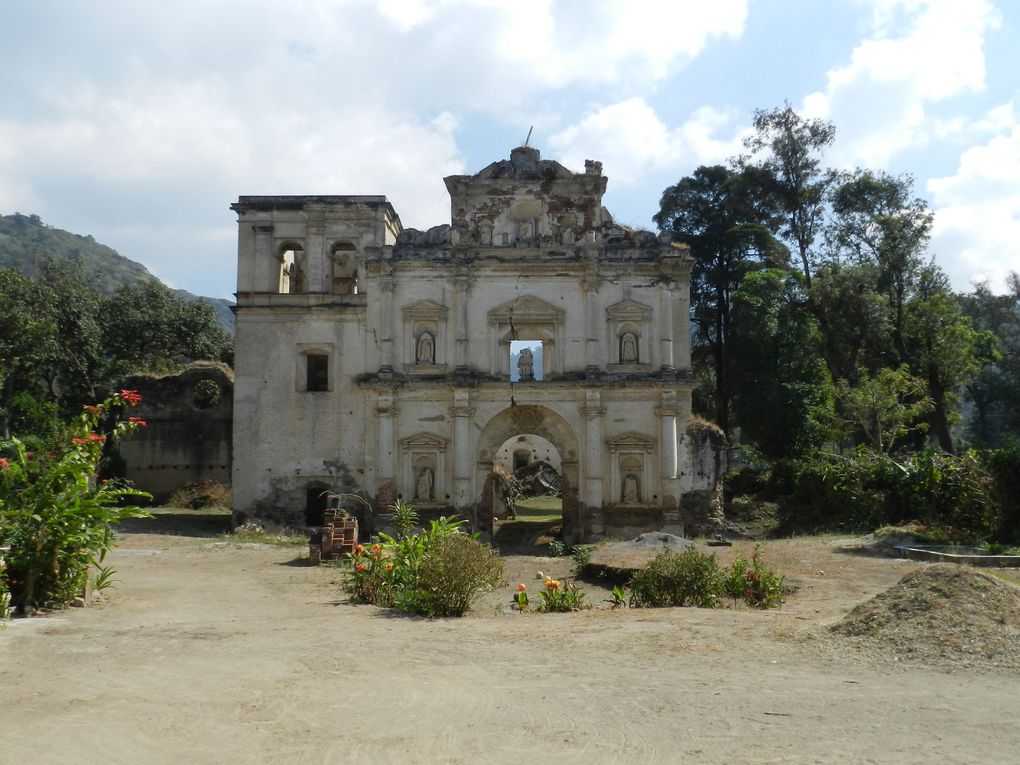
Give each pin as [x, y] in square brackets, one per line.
[454, 572]
[390, 572]
[582, 557]
[688, 578]
[753, 582]
[864, 490]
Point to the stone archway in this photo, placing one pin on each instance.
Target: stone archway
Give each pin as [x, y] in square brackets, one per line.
[540, 421]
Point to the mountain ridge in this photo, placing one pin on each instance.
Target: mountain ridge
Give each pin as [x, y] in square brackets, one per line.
[24, 239]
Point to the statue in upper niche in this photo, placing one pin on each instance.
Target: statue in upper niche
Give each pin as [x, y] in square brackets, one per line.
[526, 364]
[426, 350]
[423, 490]
[630, 489]
[628, 348]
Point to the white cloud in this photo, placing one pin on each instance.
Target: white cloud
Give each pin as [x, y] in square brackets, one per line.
[976, 235]
[923, 52]
[630, 139]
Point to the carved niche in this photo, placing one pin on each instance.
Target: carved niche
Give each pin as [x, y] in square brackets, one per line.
[631, 458]
[424, 335]
[630, 325]
[423, 469]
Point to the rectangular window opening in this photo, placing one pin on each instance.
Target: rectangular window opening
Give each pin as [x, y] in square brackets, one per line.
[317, 371]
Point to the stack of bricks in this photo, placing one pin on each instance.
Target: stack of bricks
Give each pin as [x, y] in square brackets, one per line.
[339, 536]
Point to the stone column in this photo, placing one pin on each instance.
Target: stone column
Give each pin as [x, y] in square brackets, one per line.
[682, 327]
[666, 328]
[461, 285]
[590, 286]
[314, 255]
[386, 288]
[667, 414]
[461, 413]
[266, 275]
[386, 410]
[593, 412]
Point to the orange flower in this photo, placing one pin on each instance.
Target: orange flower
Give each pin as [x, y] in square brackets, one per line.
[132, 397]
[360, 567]
[376, 549]
[521, 588]
[552, 584]
[359, 548]
[389, 567]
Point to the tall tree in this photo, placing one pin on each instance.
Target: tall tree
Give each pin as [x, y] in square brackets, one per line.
[27, 331]
[786, 149]
[783, 396]
[995, 390]
[942, 348]
[718, 213]
[877, 220]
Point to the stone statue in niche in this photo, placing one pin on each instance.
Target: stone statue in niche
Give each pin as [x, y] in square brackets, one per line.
[526, 365]
[423, 489]
[297, 279]
[285, 279]
[628, 348]
[630, 489]
[425, 352]
[486, 232]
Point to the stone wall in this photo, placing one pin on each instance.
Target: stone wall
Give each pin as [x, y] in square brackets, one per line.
[188, 436]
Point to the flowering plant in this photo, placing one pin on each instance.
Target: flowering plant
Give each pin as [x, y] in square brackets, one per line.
[559, 596]
[55, 517]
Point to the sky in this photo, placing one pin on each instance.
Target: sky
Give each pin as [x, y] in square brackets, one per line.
[140, 122]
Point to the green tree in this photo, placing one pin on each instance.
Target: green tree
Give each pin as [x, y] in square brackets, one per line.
[783, 395]
[876, 220]
[147, 327]
[994, 391]
[27, 331]
[786, 151]
[943, 348]
[718, 213]
[883, 408]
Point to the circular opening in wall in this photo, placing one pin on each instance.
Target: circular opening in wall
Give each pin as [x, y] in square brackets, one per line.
[205, 394]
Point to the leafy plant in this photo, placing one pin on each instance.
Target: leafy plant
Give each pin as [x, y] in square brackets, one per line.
[753, 582]
[561, 597]
[582, 557]
[405, 517]
[687, 578]
[424, 572]
[619, 599]
[557, 549]
[54, 515]
[521, 598]
[454, 572]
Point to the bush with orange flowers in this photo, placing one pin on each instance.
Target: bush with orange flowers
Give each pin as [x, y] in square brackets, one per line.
[54, 515]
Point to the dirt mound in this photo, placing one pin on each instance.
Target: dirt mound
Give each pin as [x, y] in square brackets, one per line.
[943, 613]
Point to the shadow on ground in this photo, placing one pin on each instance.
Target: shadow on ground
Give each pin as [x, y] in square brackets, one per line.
[179, 522]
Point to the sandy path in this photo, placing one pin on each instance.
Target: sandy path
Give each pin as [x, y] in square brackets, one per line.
[227, 655]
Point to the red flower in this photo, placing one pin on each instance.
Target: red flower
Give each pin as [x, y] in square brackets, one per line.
[4, 464]
[521, 588]
[79, 441]
[96, 438]
[90, 408]
[131, 397]
[138, 421]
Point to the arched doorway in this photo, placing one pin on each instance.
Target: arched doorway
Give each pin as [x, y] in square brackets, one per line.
[546, 434]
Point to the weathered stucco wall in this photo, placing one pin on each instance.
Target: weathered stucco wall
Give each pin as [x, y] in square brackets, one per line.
[412, 330]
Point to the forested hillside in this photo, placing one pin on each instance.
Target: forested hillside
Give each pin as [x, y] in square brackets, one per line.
[25, 239]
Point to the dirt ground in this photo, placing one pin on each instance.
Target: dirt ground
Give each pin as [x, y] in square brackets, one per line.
[209, 652]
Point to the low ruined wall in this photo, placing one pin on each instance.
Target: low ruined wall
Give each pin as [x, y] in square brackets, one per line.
[188, 436]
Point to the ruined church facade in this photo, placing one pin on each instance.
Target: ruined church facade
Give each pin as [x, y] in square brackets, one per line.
[374, 360]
